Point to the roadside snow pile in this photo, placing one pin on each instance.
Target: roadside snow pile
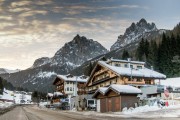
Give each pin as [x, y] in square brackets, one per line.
[43, 104]
[145, 108]
[5, 104]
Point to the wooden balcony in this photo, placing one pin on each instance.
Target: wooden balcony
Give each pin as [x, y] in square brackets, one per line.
[60, 88]
[81, 92]
[81, 85]
[134, 82]
[100, 72]
[101, 80]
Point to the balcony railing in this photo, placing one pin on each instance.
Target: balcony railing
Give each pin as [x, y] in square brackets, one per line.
[134, 82]
[101, 80]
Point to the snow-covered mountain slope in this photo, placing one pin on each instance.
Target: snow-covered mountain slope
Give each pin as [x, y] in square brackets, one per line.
[3, 71]
[73, 53]
[136, 32]
[43, 71]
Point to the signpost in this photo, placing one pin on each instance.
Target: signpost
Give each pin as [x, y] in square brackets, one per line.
[166, 93]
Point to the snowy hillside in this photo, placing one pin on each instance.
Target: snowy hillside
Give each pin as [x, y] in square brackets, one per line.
[3, 70]
[43, 71]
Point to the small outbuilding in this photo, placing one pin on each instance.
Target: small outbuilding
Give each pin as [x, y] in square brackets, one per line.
[115, 97]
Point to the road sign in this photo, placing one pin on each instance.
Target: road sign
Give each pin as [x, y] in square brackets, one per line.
[166, 93]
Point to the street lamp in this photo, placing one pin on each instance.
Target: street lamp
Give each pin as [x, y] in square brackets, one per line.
[129, 60]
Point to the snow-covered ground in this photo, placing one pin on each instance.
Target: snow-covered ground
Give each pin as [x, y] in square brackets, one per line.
[6, 104]
[139, 112]
[14, 97]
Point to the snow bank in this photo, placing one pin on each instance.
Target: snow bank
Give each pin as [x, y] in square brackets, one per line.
[174, 82]
[6, 104]
[145, 108]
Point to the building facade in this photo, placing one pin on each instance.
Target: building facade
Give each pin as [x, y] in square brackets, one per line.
[70, 85]
[116, 97]
[121, 72]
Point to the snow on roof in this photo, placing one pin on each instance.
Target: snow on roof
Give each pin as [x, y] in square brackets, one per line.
[50, 95]
[144, 72]
[119, 89]
[174, 82]
[58, 93]
[124, 89]
[102, 90]
[73, 78]
[126, 61]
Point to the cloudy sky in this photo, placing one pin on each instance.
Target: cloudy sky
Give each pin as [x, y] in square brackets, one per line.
[30, 29]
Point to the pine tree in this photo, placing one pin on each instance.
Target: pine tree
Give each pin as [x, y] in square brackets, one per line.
[1, 86]
[140, 50]
[153, 55]
[146, 48]
[125, 55]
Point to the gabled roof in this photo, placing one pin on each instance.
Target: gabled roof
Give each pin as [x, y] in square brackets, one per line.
[119, 89]
[125, 89]
[144, 72]
[57, 94]
[101, 90]
[122, 71]
[71, 78]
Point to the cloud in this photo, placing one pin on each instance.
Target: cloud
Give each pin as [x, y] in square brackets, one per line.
[22, 9]
[43, 2]
[21, 3]
[33, 12]
[6, 24]
[8, 17]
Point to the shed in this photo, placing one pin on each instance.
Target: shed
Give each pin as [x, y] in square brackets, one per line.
[115, 97]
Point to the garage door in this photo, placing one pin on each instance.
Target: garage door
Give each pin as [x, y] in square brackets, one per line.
[103, 105]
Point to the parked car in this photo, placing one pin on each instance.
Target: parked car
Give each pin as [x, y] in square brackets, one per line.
[65, 106]
[50, 106]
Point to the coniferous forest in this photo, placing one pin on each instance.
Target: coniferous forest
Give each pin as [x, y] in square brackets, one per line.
[163, 56]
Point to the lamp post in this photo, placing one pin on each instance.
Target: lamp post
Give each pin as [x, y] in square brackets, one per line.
[129, 60]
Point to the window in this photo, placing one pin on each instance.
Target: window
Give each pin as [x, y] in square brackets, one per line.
[110, 82]
[125, 65]
[118, 65]
[147, 81]
[139, 80]
[139, 67]
[67, 82]
[70, 88]
[67, 88]
[131, 66]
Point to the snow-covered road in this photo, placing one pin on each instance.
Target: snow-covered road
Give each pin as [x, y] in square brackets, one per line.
[35, 113]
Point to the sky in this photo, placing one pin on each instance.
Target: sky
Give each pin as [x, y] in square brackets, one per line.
[31, 29]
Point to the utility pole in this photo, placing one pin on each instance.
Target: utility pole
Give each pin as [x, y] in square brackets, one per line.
[129, 60]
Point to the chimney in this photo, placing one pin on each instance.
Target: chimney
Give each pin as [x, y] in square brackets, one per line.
[129, 62]
[152, 68]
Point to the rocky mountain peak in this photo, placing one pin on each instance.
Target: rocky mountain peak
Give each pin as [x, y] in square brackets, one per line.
[142, 22]
[79, 50]
[134, 33]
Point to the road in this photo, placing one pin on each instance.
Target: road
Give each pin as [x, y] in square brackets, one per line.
[32, 113]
